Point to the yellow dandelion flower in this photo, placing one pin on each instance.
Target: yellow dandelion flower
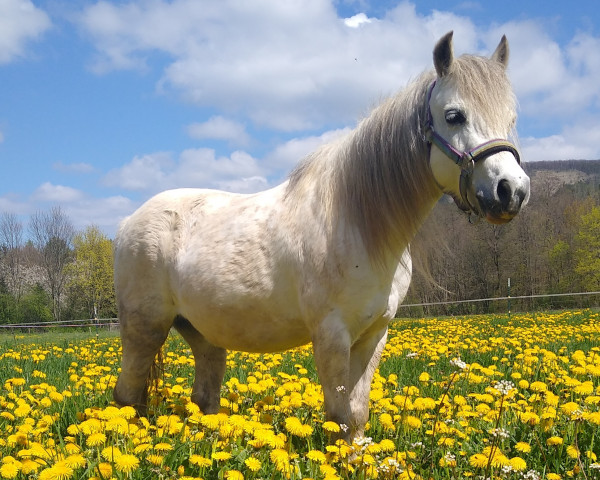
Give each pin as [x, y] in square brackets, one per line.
[281, 459]
[221, 456]
[297, 428]
[553, 441]
[56, 397]
[76, 461]
[71, 448]
[424, 377]
[591, 455]
[424, 403]
[116, 424]
[316, 456]
[163, 447]
[331, 427]
[517, 463]
[386, 421]
[523, 384]
[592, 417]
[479, 460]
[569, 408]
[387, 445]
[110, 453]
[10, 470]
[142, 447]
[573, 451]
[538, 386]
[585, 388]
[22, 410]
[234, 475]
[155, 459]
[58, 471]
[126, 463]
[412, 421]
[31, 466]
[553, 476]
[200, 461]
[95, 439]
[253, 464]
[105, 470]
[328, 471]
[127, 412]
[523, 447]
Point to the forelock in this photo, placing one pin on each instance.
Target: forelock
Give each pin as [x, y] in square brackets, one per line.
[483, 83]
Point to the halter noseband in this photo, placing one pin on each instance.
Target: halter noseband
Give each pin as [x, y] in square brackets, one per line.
[465, 160]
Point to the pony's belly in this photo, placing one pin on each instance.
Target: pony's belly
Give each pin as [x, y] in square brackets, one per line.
[250, 333]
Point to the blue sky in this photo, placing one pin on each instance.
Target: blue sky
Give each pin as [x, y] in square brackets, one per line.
[103, 104]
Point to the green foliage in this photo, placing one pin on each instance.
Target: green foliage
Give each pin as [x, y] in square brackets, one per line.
[36, 306]
[587, 253]
[92, 273]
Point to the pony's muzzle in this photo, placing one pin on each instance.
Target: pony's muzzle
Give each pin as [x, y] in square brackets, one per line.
[504, 202]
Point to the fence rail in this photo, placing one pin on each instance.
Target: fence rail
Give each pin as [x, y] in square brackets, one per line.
[518, 303]
[111, 323]
[447, 307]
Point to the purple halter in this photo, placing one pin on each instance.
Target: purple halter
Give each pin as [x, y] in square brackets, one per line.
[465, 160]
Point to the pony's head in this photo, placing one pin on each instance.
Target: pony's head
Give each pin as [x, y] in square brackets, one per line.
[471, 113]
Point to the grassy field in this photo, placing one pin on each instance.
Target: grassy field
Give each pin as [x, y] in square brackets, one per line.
[468, 397]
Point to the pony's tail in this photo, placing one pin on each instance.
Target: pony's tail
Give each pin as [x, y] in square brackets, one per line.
[155, 376]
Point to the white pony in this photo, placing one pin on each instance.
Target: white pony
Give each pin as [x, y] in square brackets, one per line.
[323, 257]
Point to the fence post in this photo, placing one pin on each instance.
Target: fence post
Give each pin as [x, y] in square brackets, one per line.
[508, 298]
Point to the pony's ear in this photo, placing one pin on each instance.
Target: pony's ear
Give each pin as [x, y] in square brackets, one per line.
[443, 54]
[501, 53]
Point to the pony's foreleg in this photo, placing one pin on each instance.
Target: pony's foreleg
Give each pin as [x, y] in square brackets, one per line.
[210, 362]
[141, 342]
[331, 346]
[364, 359]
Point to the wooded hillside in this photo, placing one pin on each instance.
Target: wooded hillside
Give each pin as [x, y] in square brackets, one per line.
[552, 246]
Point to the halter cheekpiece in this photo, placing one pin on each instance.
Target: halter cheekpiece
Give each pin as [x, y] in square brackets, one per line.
[465, 160]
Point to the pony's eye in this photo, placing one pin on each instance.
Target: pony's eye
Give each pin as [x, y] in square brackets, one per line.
[455, 117]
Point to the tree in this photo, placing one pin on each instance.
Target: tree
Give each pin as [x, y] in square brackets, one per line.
[11, 240]
[587, 253]
[92, 271]
[52, 234]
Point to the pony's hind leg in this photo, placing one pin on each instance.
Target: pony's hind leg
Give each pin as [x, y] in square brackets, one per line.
[210, 364]
[141, 341]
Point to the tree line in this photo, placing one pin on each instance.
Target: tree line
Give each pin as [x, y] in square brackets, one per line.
[56, 274]
[51, 272]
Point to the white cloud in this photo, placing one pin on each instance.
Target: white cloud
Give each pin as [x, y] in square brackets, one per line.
[578, 141]
[142, 173]
[285, 156]
[193, 168]
[106, 212]
[20, 23]
[220, 128]
[284, 65]
[59, 194]
[357, 20]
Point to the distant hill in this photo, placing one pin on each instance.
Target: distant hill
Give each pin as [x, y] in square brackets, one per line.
[590, 167]
[553, 175]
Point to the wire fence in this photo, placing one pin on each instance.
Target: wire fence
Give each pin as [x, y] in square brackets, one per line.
[85, 324]
[508, 304]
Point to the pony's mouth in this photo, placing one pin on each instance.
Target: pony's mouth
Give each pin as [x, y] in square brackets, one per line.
[500, 219]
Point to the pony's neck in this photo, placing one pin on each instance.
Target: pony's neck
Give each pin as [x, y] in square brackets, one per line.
[387, 188]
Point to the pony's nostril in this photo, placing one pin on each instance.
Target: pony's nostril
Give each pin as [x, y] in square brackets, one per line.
[504, 192]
